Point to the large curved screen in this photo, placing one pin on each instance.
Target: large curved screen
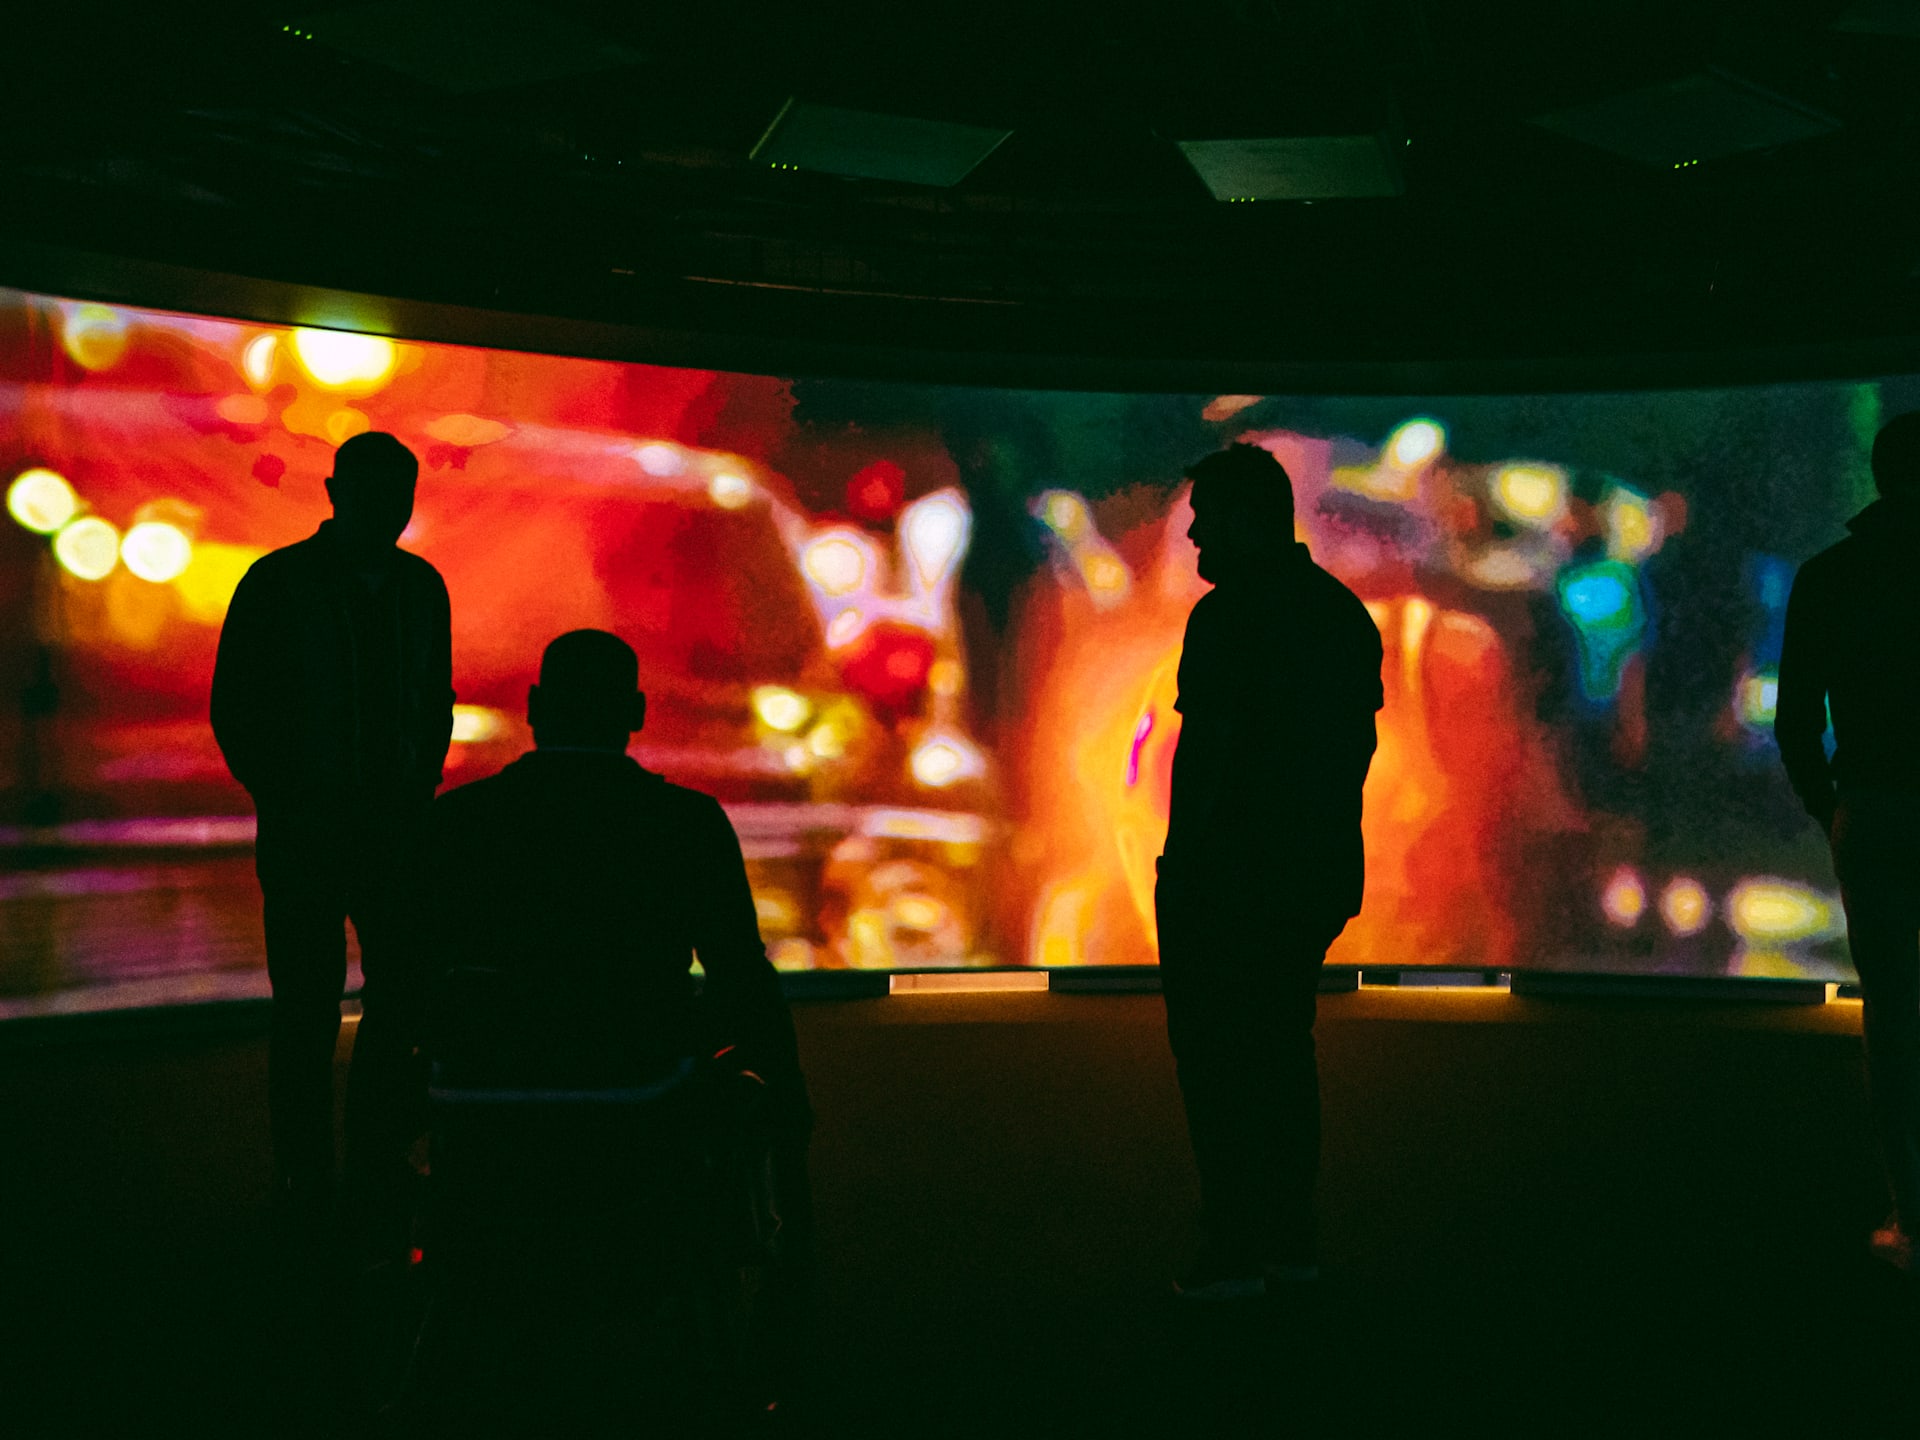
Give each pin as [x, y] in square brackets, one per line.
[921, 641]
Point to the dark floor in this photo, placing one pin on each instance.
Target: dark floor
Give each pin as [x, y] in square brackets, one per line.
[1539, 1217]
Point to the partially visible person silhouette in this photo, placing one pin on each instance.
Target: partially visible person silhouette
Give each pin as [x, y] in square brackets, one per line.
[1279, 683]
[333, 704]
[589, 884]
[1852, 651]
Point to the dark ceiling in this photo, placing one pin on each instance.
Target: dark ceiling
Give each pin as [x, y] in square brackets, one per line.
[213, 135]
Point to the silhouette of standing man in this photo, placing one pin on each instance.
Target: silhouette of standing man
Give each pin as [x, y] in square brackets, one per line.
[1279, 682]
[1852, 649]
[333, 704]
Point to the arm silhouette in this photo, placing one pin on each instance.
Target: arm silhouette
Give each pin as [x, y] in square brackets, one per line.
[1800, 714]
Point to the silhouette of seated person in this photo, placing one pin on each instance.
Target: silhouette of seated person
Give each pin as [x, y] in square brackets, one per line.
[571, 893]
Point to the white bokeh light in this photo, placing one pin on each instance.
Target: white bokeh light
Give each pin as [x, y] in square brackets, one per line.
[89, 548]
[156, 551]
[662, 460]
[1415, 443]
[935, 531]
[41, 500]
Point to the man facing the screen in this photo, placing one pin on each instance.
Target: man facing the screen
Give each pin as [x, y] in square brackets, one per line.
[1279, 682]
[333, 704]
[1852, 651]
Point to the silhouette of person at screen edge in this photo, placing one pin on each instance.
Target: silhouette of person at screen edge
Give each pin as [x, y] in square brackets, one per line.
[333, 705]
[1852, 651]
[1263, 865]
[589, 884]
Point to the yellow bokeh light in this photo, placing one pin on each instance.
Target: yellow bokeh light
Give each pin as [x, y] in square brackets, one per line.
[1105, 574]
[946, 677]
[41, 500]
[88, 548]
[206, 586]
[1064, 513]
[94, 336]
[730, 491]
[1633, 533]
[342, 360]
[836, 564]
[780, 708]
[1532, 494]
[1685, 906]
[1778, 910]
[476, 724]
[1625, 898]
[156, 551]
[919, 912]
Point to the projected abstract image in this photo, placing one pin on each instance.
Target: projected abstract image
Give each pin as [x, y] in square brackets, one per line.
[922, 641]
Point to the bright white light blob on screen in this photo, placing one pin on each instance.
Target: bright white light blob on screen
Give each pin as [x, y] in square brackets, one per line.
[936, 530]
[837, 562]
[256, 361]
[1625, 898]
[944, 759]
[780, 708]
[1778, 910]
[730, 492]
[341, 360]
[1685, 906]
[1415, 443]
[661, 460]
[41, 500]
[156, 551]
[88, 548]
[1534, 495]
[474, 724]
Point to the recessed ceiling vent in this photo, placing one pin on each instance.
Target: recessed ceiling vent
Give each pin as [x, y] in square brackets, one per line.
[871, 146]
[1675, 125]
[1297, 167]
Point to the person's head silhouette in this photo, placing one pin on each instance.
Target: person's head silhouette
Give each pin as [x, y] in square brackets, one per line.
[372, 492]
[1242, 512]
[589, 694]
[1896, 457]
